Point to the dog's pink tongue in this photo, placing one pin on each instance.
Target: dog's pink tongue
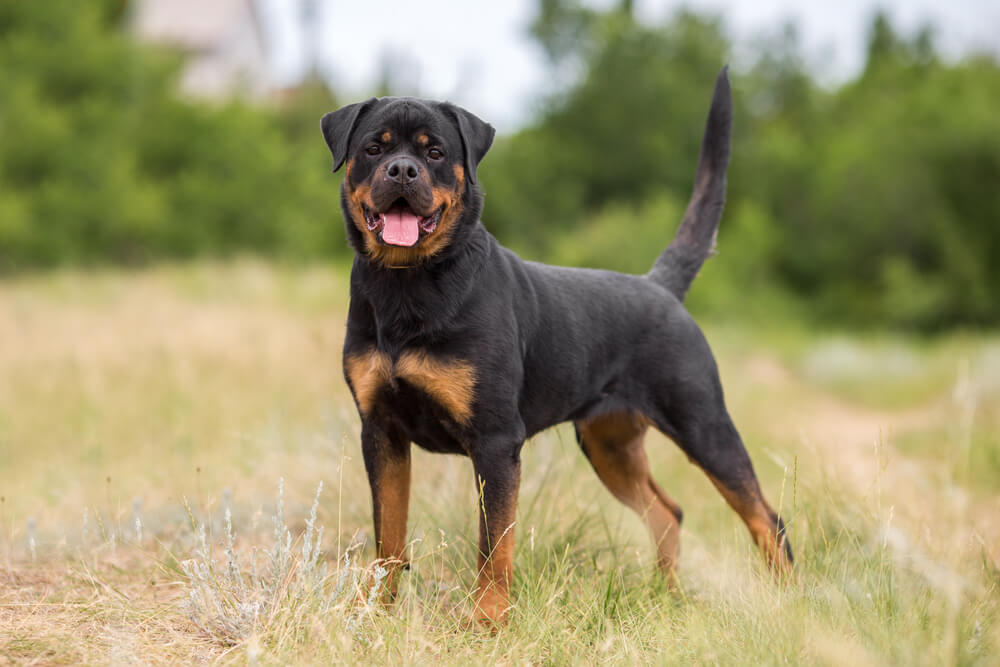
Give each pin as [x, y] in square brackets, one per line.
[401, 227]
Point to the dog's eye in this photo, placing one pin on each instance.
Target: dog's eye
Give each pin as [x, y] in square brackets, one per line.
[374, 149]
[435, 154]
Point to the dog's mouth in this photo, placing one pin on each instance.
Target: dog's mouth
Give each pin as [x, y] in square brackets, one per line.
[399, 225]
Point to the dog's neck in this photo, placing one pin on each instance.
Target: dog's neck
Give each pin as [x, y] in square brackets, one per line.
[418, 301]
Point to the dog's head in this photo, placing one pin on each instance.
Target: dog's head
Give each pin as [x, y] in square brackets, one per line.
[410, 183]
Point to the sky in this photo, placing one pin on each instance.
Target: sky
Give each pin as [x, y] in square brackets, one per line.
[480, 55]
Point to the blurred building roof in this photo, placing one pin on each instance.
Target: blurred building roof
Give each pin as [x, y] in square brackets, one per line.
[224, 41]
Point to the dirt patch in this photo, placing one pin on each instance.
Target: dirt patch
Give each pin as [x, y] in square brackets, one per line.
[52, 614]
[855, 444]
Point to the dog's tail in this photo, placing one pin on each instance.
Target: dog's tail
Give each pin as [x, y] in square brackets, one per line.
[677, 267]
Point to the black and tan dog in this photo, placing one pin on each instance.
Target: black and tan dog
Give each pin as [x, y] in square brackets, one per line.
[455, 343]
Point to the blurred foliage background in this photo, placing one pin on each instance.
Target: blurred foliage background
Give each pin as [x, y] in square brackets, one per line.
[872, 204]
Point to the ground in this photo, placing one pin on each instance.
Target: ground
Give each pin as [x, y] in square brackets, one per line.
[136, 407]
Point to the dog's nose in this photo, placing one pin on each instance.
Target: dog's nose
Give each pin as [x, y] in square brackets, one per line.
[403, 170]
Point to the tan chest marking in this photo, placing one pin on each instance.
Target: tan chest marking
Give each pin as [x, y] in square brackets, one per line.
[367, 372]
[450, 383]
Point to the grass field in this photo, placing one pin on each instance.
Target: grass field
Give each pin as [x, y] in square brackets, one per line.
[137, 407]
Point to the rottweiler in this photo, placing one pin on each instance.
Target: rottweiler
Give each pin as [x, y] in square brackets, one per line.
[455, 343]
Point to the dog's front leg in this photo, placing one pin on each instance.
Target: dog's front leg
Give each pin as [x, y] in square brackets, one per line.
[387, 460]
[497, 480]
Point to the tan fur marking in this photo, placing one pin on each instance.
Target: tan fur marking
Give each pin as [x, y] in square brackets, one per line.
[436, 242]
[399, 257]
[423, 139]
[495, 576]
[367, 373]
[394, 498]
[496, 558]
[357, 198]
[756, 514]
[386, 136]
[614, 445]
[450, 383]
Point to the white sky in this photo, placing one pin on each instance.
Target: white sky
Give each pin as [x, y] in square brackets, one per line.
[479, 54]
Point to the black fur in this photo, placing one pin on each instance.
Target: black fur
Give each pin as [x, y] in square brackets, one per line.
[337, 126]
[548, 344]
[677, 267]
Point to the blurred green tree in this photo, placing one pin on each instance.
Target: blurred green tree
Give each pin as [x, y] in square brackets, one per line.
[613, 136]
[100, 160]
[875, 203]
[888, 192]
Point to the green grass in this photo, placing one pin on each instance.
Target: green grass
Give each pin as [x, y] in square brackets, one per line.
[140, 395]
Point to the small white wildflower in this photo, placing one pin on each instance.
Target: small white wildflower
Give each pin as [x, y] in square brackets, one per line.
[380, 573]
[345, 571]
[236, 604]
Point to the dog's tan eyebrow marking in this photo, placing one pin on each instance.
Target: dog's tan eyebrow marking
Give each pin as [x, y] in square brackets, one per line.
[386, 136]
[423, 139]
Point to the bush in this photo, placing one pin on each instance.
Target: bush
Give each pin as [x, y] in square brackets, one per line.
[101, 161]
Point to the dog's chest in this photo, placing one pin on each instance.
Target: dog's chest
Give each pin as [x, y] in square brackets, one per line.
[430, 397]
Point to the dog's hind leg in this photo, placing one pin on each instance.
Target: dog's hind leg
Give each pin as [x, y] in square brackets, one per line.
[614, 446]
[686, 403]
[716, 447]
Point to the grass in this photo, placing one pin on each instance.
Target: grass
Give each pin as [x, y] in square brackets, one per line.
[140, 411]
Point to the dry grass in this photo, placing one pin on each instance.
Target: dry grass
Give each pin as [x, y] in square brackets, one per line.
[123, 395]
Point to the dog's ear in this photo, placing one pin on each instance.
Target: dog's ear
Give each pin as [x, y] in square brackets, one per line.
[338, 125]
[477, 137]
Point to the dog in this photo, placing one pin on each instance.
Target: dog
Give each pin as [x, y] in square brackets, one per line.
[455, 343]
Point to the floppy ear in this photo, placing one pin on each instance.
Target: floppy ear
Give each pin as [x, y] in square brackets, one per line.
[338, 125]
[477, 137]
